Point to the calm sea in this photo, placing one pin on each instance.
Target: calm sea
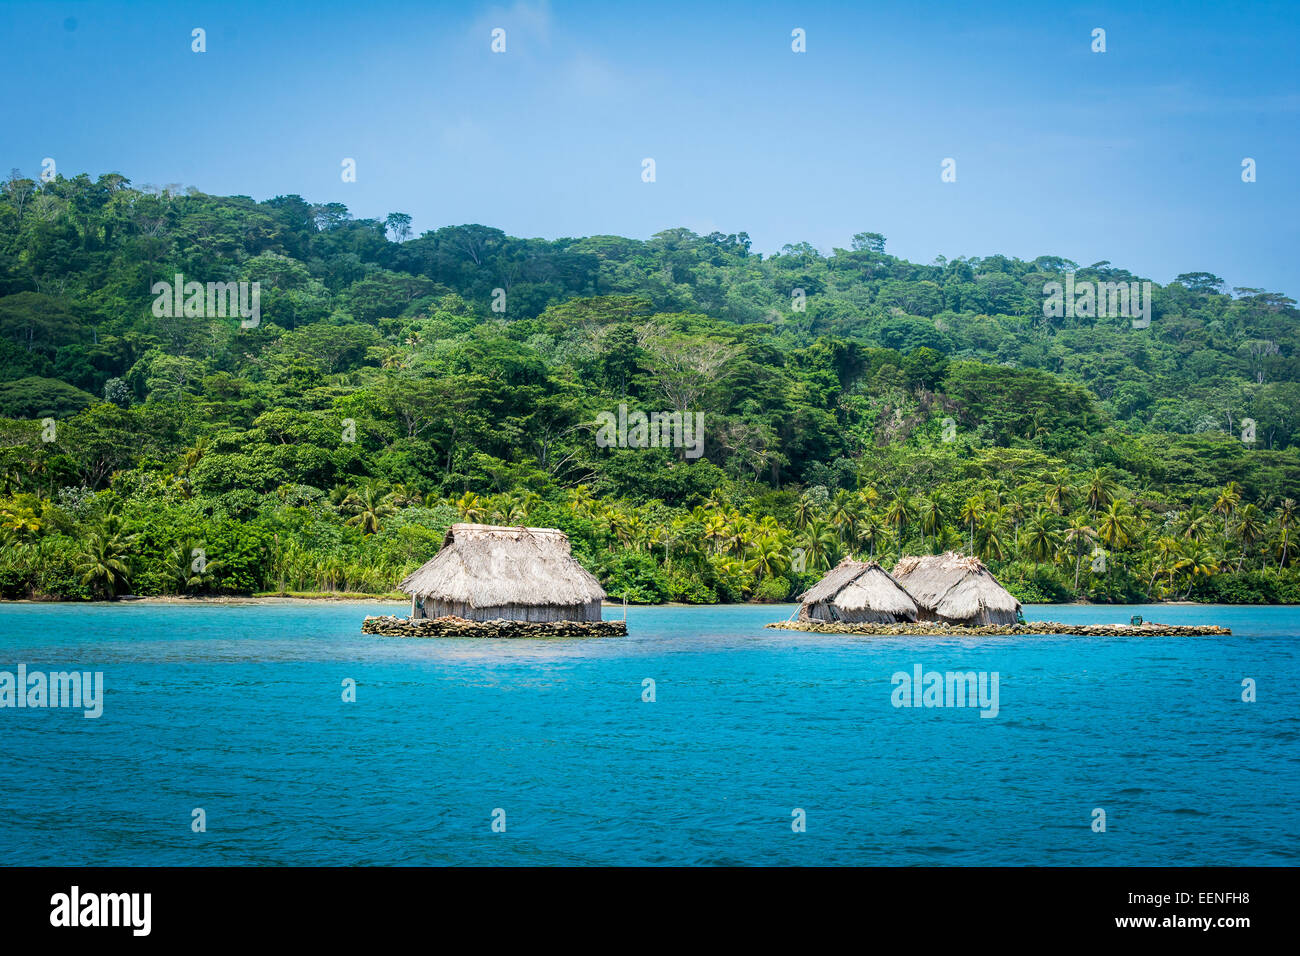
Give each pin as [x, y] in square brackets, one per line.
[239, 711]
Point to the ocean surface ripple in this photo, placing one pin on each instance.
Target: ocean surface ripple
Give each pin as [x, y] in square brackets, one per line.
[239, 710]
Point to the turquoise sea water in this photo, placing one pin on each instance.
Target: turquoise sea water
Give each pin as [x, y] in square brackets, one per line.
[238, 710]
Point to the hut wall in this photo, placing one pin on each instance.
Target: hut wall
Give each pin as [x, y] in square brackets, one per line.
[984, 616]
[990, 616]
[514, 612]
[815, 612]
[830, 611]
[866, 615]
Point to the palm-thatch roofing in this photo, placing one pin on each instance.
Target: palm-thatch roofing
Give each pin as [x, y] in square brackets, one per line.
[857, 591]
[485, 566]
[956, 587]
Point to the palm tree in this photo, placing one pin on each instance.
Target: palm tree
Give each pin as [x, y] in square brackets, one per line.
[103, 564]
[1283, 546]
[634, 526]
[683, 535]
[1196, 524]
[470, 507]
[404, 495]
[1079, 541]
[188, 571]
[1197, 562]
[1100, 490]
[38, 468]
[1285, 522]
[582, 501]
[1222, 553]
[991, 543]
[715, 530]
[1059, 491]
[1017, 509]
[1041, 537]
[21, 519]
[1227, 502]
[770, 558]
[1116, 527]
[818, 542]
[194, 454]
[1168, 550]
[1251, 525]
[655, 536]
[972, 510]
[510, 512]
[995, 495]
[898, 515]
[11, 477]
[871, 534]
[845, 515]
[618, 523]
[368, 504]
[737, 540]
[931, 519]
[803, 512]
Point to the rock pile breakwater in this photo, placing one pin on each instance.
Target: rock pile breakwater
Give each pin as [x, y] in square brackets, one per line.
[938, 629]
[389, 626]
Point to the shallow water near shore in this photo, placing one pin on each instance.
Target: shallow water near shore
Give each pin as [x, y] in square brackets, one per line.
[238, 710]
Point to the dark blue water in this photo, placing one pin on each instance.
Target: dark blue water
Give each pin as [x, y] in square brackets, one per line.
[238, 710]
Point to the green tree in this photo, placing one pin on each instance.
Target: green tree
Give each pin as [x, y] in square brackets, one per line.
[104, 564]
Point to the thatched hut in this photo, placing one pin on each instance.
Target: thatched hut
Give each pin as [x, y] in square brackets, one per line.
[956, 589]
[488, 573]
[858, 592]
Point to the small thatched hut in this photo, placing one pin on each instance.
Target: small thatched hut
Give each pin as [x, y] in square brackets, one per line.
[859, 592]
[487, 573]
[956, 589]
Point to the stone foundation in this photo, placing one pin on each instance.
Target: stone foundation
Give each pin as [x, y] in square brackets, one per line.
[936, 629]
[389, 626]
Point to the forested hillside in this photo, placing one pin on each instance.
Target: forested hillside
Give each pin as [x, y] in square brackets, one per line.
[857, 403]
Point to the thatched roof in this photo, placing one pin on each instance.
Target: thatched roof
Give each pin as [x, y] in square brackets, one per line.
[953, 586]
[861, 585]
[488, 566]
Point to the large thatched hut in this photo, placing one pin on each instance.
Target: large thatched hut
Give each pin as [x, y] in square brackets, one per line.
[859, 592]
[488, 573]
[956, 589]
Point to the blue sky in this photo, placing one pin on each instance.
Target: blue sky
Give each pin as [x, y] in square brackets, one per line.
[1132, 155]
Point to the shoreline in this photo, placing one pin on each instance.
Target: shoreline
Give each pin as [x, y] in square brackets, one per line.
[1034, 628]
[272, 600]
